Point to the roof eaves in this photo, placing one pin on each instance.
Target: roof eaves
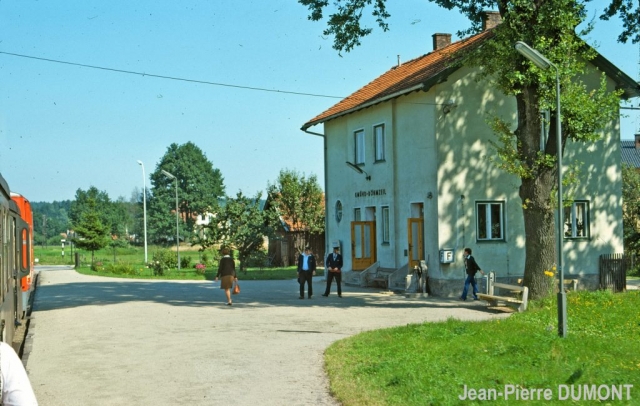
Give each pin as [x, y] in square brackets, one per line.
[364, 105]
[630, 87]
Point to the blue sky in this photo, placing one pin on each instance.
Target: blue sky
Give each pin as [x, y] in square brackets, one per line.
[64, 127]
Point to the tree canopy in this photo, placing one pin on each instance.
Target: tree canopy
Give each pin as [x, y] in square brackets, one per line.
[92, 234]
[240, 224]
[549, 26]
[297, 202]
[200, 186]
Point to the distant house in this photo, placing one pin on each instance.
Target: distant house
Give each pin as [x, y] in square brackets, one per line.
[630, 152]
[408, 179]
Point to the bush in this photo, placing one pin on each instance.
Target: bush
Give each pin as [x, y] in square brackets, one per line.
[185, 261]
[163, 260]
[120, 269]
[211, 257]
[257, 259]
[97, 266]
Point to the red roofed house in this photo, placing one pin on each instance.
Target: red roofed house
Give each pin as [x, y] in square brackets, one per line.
[408, 179]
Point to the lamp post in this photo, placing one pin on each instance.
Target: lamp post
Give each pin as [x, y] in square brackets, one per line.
[144, 211]
[543, 63]
[170, 176]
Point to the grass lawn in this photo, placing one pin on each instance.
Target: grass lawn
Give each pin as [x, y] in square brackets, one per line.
[429, 364]
[131, 261]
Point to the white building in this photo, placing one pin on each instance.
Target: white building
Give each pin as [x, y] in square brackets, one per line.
[408, 177]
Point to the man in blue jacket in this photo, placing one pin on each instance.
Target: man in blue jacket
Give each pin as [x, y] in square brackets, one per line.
[306, 270]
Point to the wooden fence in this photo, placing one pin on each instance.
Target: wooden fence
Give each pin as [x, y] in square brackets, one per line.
[613, 271]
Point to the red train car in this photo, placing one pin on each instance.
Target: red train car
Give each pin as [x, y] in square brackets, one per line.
[26, 239]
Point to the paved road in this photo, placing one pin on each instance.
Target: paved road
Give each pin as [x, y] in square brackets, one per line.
[103, 341]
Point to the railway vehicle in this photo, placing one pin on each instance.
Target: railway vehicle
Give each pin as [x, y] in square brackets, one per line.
[27, 258]
[15, 263]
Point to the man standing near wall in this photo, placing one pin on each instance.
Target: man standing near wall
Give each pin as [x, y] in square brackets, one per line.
[334, 264]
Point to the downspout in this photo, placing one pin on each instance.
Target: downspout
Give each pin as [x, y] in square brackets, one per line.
[326, 203]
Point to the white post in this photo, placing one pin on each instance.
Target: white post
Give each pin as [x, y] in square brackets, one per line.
[144, 211]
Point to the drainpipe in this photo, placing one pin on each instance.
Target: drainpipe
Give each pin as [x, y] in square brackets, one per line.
[326, 203]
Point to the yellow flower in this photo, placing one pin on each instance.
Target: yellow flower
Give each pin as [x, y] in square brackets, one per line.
[549, 274]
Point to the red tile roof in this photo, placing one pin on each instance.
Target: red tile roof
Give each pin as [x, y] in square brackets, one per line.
[402, 79]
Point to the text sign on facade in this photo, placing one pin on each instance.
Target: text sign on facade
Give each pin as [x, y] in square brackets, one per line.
[372, 192]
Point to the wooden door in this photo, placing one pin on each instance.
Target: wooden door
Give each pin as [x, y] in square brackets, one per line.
[363, 244]
[415, 227]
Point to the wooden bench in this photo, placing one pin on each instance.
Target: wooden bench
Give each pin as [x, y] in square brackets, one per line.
[569, 284]
[520, 303]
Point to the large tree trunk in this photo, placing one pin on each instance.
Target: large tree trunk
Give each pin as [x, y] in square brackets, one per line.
[536, 192]
[539, 226]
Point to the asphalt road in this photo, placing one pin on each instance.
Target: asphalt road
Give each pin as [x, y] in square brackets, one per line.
[104, 341]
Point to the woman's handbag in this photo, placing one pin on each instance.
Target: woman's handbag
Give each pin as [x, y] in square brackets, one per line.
[236, 289]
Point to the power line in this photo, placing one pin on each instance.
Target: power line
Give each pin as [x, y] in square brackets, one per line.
[171, 77]
[261, 89]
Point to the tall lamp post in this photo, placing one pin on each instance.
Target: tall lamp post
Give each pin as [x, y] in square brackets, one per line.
[170, 176]
[543, 63]
[144, 211]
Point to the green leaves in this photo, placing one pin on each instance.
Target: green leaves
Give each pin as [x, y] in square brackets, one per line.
[199, 184]
[297, 204]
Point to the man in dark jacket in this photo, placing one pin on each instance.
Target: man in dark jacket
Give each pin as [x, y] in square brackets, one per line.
[306, 270]
[471, 267]
[334, 265]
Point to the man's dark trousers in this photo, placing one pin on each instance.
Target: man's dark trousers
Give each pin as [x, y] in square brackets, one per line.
[306, 276]
[338, 277]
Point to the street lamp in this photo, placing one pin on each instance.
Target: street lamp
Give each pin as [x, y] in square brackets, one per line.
[170, 176]
[144, 211]
[543, 63]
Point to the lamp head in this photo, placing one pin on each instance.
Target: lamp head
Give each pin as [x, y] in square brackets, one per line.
[140, 163]
[167, 174]
[534, 56]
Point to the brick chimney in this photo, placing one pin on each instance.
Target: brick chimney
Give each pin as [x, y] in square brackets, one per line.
[638, 141]
[491, 20]
[441, 40]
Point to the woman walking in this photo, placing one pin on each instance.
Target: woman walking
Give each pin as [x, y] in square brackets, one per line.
[227, 273]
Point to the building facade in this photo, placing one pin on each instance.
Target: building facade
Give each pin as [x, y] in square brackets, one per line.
[409, 176]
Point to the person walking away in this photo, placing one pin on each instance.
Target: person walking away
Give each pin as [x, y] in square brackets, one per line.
[471, 267]
[227, 273]
[16, 388]
[334, 265]
[306, 270]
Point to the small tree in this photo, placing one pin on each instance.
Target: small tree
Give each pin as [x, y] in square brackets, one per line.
[241, 224]
[299, 202]
[92, 234]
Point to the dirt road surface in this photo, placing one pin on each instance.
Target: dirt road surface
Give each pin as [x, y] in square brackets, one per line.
[105, 341]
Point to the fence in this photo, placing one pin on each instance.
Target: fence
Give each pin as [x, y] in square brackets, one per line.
[613, 271]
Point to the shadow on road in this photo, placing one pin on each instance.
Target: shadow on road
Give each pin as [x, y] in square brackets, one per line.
[104, 291]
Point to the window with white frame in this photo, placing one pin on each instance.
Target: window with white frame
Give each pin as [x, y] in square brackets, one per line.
[576, 220]
[385, 224]
[378, 133]
[357, 214]
[359, 147]
[490, 221]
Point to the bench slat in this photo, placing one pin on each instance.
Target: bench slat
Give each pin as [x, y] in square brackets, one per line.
[502, 298]
[506, 286]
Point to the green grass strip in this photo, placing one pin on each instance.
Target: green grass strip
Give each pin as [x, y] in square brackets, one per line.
[429, 364]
